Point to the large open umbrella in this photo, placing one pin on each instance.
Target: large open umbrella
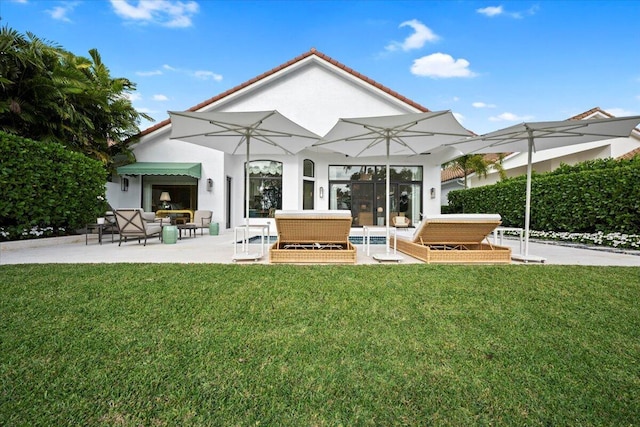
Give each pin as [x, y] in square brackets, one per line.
[258, 132]
[537, 136]
[397, 135]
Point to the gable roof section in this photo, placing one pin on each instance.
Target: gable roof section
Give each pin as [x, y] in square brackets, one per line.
[263, 76]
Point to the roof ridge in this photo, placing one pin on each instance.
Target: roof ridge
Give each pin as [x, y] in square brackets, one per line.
[313, 51]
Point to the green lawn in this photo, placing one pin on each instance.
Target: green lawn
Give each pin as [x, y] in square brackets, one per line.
[155, 345]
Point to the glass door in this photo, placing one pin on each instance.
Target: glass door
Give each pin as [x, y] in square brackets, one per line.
[363, 207]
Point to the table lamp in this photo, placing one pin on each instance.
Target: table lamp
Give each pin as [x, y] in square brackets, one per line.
[165, 198]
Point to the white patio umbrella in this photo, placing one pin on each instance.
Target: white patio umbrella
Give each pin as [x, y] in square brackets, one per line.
[538, 136]
[397, 135]
[257, 132]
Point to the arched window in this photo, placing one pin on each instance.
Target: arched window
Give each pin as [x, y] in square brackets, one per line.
[265, 188]
[309, 168]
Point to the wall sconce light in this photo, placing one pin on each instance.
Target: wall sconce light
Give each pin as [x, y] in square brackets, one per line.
[321, 191]
[124, 184]
[433, 193]
[209, 184]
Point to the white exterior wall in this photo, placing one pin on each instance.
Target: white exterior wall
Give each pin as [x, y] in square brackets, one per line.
[312, 93]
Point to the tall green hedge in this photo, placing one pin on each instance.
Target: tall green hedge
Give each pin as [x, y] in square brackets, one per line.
[585, 198]
[46, 189]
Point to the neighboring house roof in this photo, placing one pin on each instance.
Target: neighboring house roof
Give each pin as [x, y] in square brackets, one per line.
[312, 52]
[630, 155]
[454, 172]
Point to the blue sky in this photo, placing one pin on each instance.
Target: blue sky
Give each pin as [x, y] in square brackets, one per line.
[493, 63]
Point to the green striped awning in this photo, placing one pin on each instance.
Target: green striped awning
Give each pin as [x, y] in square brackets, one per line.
[161, 168]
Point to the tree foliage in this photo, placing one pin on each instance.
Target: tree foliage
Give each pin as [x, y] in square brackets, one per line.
[594, 196]
[477, 163]
[51, 95]
[46, 189]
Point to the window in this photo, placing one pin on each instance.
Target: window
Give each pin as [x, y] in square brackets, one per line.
[265, 188]
[362, 188]
[182, 190]
[309, 168]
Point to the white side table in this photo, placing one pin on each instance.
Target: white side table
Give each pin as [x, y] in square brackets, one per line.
[499, 232]
[368, 230]
[245, 230]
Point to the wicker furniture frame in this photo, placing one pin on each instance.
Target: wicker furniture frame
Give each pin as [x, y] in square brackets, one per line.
[456, 239]
[316, 237]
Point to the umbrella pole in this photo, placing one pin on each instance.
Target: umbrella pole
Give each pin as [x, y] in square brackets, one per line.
[247, 193]
[245, 240]
[388, 193]
[527, 209]
[388, 256]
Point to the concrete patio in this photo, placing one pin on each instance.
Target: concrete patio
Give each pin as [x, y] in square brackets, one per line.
[220, 249]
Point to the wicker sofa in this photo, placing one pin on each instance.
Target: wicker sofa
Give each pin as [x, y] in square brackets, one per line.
[313, 237]
[456, 238]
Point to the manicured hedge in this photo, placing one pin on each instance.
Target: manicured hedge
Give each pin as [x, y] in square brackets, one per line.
[47, 189]
[596, 196]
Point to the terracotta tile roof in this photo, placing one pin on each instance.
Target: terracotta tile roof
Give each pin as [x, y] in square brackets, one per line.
[589, 113]
[455, 171]
[275, 70]
[452, 172]
[630, 155]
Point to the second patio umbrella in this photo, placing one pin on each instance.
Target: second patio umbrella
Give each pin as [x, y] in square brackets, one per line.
[527, 137]
[257, 132]
[397, 135]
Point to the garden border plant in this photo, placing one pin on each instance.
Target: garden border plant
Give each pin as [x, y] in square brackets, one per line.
[47, 189]
[595, 202]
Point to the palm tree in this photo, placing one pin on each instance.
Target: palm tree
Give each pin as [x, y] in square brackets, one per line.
[49, 94]
[477, 163]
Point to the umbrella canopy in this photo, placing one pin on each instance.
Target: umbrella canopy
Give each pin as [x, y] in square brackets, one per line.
[397, 135]
[245, 132]
[538, 136]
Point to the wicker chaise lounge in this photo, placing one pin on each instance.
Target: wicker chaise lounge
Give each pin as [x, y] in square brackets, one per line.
[456, 238]
[313, 237]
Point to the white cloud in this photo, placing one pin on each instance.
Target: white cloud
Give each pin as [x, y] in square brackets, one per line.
[198, 74]
[146, 110]
[60, 13]
[207, 75]
[421, 34]
[149, 73]
[509, 117]
[441, 65]
[619, 112]
[167, 13]
[483, 105]
[490, 11]
[160, 97]
[133, 96]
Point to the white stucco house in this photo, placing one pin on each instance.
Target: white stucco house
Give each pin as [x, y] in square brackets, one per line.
[314, 91]
[515, 164]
